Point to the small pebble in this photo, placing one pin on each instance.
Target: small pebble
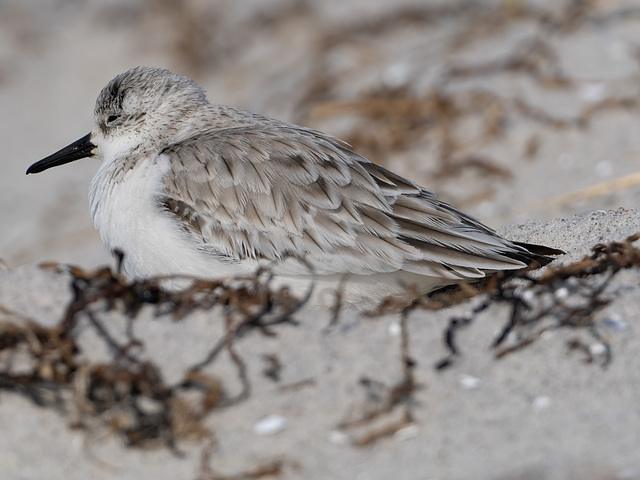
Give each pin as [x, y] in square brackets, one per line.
[338, 438]
[407, 433]
[396, 75]
[561, 293]
[528, 296]
[593, 92]
[468, 382]
[597, 349]
[270, 425]
[541, 402]
[616, 322]
[394, 329]
[547, 334]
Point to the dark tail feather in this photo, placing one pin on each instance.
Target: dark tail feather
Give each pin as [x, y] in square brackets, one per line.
[540, 249]
[537, 253]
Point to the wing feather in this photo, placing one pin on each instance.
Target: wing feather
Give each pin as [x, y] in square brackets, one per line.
[279, 192]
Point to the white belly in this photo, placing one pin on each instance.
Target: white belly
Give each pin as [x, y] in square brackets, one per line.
[129, 219]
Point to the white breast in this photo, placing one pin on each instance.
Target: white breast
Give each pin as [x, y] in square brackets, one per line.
[125, 209]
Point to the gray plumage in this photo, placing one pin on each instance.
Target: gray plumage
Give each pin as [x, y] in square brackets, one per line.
[240, 190]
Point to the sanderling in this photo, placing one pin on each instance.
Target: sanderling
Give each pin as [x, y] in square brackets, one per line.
[188, 187]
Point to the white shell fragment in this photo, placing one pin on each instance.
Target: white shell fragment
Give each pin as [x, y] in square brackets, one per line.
[270, 425]
[468, 382]
[408, 432]
[338, 438]
[394, 329]
[541, 402]
[597, 349]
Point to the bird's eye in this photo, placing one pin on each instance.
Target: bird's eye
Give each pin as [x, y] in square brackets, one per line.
[112, 118]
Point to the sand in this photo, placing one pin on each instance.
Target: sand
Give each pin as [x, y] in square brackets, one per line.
[539, 412]
[510, 111]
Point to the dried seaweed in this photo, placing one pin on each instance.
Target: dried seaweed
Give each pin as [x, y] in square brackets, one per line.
[566, 297]
[127, 395]
[479, 20]
[269, 469]
[387, 400]
[534, 58]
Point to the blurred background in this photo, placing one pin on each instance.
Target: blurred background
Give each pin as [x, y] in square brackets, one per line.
[512, 110]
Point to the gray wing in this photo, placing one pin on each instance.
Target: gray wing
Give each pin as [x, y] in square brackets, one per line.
[283, 193]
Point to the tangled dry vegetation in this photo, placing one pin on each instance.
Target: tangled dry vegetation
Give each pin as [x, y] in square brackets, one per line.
[129, 397]
[568, 297]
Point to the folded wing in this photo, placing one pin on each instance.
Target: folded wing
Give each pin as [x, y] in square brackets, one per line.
[284, 194]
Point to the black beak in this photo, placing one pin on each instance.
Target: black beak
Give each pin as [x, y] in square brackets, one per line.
[79, 149]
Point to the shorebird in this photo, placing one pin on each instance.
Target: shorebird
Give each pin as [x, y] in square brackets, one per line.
[192, 188]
